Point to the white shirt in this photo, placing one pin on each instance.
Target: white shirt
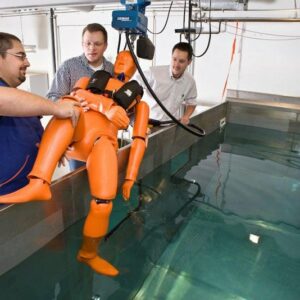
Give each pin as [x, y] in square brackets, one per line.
[96, 68]
[170, 91]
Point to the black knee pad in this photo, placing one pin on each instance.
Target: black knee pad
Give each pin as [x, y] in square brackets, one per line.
[98, 82]
[129, 92]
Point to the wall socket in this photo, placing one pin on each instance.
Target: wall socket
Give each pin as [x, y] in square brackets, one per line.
[222, 122]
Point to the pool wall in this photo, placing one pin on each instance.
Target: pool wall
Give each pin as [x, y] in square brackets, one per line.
[27, 227]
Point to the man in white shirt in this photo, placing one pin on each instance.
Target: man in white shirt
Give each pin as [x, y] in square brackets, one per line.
[173, 85]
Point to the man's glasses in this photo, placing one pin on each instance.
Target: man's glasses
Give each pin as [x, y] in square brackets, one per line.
[91, 44]
[22, 56]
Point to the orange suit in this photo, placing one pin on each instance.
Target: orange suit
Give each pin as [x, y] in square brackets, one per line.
[94, 140]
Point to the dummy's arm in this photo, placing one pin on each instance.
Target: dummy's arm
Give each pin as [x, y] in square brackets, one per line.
[95, 101]
[116, 114]
[138, 147]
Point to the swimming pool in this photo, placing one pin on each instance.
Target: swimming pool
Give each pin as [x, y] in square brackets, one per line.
[218, 221]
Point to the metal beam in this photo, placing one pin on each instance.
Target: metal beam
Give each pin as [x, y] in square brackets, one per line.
[245, 19]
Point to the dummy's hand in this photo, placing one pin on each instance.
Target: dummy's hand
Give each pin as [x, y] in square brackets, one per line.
[118, 116]
[93, 104]
[126, 189]
[82, 101]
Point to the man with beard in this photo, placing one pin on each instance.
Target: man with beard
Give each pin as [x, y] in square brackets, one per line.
[20, 113]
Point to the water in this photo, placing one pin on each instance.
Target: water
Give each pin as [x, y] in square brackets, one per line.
[220, 221]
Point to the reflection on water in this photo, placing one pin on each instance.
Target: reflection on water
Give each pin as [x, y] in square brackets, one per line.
[220, 221]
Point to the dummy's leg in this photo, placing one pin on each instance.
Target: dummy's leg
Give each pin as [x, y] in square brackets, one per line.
[102, 172]
[56, 138]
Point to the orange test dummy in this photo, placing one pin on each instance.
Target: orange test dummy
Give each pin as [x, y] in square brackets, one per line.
[94, 140]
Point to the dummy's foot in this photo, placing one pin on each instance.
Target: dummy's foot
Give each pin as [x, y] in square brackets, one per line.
[37, 189]
[99, 265]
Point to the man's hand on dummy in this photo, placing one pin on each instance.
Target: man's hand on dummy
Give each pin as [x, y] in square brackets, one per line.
[118, 116]
[64, 158]
[126, 189]
[62, 161]
[68, 108]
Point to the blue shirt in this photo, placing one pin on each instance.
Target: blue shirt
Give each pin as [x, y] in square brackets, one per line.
[18, 150]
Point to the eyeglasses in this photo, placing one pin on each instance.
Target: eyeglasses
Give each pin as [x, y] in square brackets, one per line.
[91, 44]
[22, 55]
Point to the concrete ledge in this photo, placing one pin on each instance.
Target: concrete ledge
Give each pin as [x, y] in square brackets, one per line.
[260, 97]
[264, 110]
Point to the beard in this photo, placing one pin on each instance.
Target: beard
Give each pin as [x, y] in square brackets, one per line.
[22, 78]
[22, 74]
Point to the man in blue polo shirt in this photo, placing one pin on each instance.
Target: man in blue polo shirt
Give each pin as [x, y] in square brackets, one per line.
[20, 111]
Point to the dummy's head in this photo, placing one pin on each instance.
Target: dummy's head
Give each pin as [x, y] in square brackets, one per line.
[124, 67]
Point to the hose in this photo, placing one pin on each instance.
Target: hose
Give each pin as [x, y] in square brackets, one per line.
[159, 123]
[153, 93]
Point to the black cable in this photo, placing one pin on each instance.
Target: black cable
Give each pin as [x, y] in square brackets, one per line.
[165, 23]
[53, 48]
[125, 46]
[129, 214]
[189, 22]
[159, 123]
[140, 185]
[137, 209]
[119, 42]
[177, 180]
[153, 93]
[201, 130]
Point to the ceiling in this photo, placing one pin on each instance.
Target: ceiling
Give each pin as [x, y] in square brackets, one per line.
[205, 4]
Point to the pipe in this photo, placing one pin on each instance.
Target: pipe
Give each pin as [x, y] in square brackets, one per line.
[283, 20]
[199, 134]
[53, 48]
